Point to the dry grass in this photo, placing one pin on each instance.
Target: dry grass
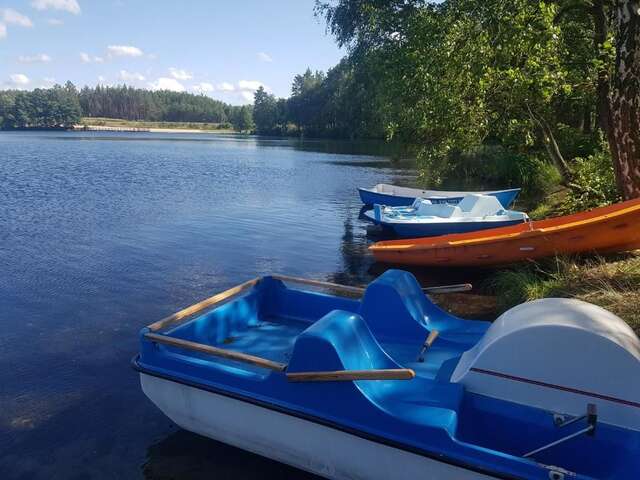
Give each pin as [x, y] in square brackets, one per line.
[117, 122]
[612, 283]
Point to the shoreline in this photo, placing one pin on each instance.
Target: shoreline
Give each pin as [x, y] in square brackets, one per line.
[106, 128]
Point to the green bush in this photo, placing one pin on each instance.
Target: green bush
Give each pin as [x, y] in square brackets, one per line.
[490, 167]
[593, 183]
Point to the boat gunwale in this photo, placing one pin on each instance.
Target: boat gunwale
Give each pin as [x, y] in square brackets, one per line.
[434, 193]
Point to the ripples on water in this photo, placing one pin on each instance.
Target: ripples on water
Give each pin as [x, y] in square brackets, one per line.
[102, 233]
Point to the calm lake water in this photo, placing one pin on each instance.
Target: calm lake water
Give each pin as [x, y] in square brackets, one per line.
[102, 233]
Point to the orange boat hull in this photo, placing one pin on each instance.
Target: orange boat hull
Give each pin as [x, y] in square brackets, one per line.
[615, 228]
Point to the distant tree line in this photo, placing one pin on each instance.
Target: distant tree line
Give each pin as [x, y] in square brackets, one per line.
[56, 107]
[63, 107]
[337, 104]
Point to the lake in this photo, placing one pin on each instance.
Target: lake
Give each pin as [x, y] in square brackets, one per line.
[104, 233]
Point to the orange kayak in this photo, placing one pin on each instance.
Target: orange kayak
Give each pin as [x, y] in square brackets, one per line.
[614, 228]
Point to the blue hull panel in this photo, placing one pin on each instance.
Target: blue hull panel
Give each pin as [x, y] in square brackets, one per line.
[505, 197]
[369, 198]
[435, 229]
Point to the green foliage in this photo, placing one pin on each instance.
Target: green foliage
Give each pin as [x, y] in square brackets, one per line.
[491, 167]
[63, 106]
[593, 183]
[457, 75]
[243, 120]
[340, 104]
[131, 103]
[269, 114]
[56, 107]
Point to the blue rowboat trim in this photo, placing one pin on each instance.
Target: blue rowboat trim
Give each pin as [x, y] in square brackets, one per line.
[459, 413]
[396, 196]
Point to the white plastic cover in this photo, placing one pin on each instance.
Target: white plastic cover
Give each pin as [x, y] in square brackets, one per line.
[559, 355]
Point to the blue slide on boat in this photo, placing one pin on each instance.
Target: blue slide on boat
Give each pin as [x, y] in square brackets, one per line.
[395, 196]
[391, 386]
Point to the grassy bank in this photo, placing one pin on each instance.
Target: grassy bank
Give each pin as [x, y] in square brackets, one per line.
[611, 282]
[120, 123]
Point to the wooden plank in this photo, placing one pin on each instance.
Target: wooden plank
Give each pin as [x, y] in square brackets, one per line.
[216, 352]
[319, 283]
[349, 375]
[209, 302]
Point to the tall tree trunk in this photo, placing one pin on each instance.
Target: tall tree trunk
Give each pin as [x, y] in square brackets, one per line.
[624, 99]
[601, 30]
[550, 144]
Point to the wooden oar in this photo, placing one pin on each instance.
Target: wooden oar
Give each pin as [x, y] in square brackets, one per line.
[457, 287]
[348, 375]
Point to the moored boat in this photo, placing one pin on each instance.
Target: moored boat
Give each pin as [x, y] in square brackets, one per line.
[614, 228]
[426, 219]
[391, 386]
[395, 196]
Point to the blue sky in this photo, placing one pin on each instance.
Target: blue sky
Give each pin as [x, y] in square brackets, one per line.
[224, 49]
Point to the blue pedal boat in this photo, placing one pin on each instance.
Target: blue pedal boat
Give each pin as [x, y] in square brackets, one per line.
[426, 219]
[390, 386]
[394, 196]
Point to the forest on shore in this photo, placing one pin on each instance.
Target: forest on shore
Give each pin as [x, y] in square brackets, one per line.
[528, 93]
[64, 106]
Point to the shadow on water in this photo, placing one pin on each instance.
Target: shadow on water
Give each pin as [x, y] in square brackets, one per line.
[360, 268]
[187, 456]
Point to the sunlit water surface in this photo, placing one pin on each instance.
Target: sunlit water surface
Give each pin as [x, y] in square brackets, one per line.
[102, 233]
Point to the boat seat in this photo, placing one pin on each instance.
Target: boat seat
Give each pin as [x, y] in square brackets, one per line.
[480, 205]
[340, 340]
[396, 309]
[444, 210]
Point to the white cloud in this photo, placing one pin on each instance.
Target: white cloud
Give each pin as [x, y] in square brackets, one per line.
[131, 76]
[101, 79]
[70, 6]
[124, 51]
[54, 21]
[11, 17]
[226, 87]
[180, 74]
[247, 95]
[203, 87]
[247, 88]
[38, 58]
[251, 85]
[165, 83]
[264, 57]
[48, 82]
[3, 30]
[19, 79]
[86, 58]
